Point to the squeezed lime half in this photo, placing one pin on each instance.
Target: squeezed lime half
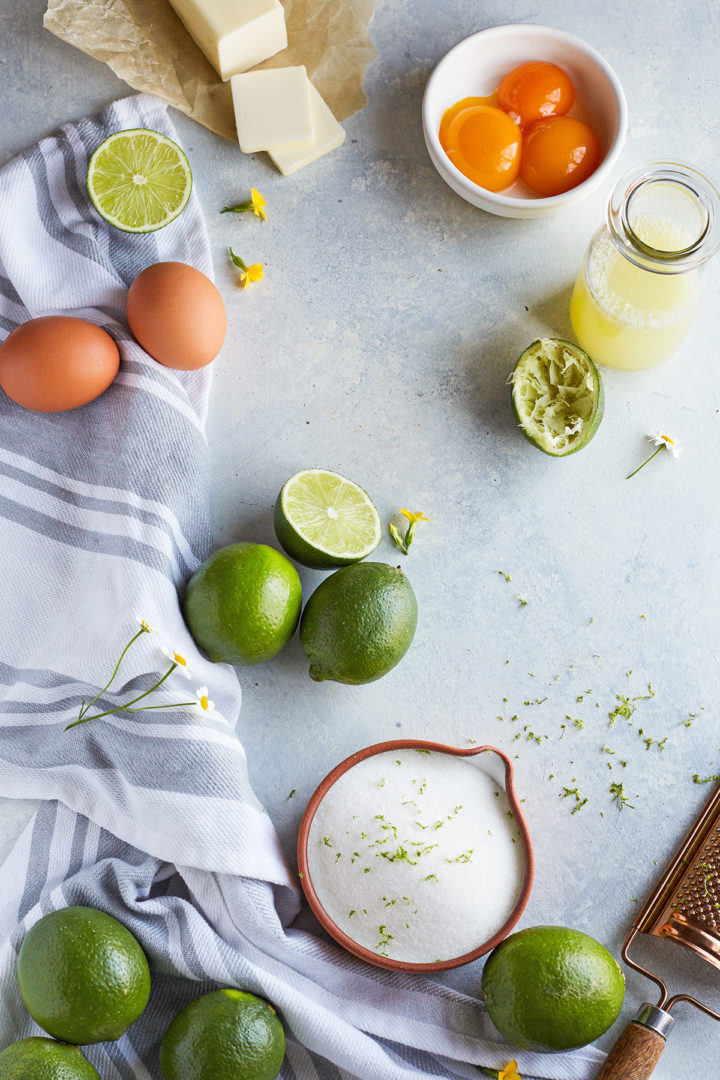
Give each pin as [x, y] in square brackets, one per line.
[139, 180]
[324, 520]
[557, 396]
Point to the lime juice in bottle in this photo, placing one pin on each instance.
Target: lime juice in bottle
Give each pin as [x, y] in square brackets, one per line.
[640, 285]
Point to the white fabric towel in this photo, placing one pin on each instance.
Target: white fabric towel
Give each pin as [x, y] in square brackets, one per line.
[150, 816]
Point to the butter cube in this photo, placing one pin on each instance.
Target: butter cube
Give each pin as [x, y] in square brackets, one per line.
[327, 135]
[272, 108]
[234, 34]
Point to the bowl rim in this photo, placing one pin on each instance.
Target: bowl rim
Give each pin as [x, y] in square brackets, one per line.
[442, 161]
[331, 926]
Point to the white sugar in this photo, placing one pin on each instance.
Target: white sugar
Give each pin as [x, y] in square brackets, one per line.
[416, 855]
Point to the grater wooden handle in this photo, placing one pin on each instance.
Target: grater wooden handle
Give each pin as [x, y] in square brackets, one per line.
[635, 1054]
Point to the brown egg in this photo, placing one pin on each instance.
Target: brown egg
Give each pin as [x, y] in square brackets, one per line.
[56, 363]
[177, 315]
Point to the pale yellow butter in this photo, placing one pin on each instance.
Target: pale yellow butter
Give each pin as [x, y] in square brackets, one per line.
[272, 108]
[234, 34]
[327, 135]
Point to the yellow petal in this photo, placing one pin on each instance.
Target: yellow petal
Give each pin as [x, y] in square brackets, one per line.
[256, 272]
[414, 517]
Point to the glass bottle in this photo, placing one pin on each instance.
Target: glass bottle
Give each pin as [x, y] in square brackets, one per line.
[640, 285]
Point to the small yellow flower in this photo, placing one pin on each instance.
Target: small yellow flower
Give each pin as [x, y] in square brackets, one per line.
[256, 203]
[404, 541]
[414, 518]
[203, 700]
[510, 1072]
[146, 626]
[254, 272]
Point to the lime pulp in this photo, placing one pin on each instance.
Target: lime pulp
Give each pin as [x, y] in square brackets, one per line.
[557, 396]
[139, 180]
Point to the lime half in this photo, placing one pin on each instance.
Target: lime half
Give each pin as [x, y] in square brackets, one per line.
[557, 395]
[324, 520]
[139, 180]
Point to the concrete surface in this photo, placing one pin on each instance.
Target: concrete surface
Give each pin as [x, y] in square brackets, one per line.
[379, 344]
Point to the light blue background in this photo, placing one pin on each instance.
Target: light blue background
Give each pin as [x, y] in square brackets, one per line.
[379, 345]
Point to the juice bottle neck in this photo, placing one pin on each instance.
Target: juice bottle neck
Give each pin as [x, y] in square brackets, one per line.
[664, 217]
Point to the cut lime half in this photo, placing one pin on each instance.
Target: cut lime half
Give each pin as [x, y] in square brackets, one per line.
[557, 396]
[139, 180]
[324, 520]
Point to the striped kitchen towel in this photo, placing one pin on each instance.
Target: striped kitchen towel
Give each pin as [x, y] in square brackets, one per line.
[150, 816]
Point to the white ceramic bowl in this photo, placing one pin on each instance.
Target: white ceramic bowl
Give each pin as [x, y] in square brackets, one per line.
[475, 67]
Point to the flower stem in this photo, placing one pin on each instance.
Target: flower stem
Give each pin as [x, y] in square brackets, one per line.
[85, 708]
[146, 708]
[646, 462]
[120, 708]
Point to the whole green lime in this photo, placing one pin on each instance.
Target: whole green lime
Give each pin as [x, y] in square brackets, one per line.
[359, 623]
[83, 976]
[224, 1035]
[551, 988]
[44, 1059]
[243, 603]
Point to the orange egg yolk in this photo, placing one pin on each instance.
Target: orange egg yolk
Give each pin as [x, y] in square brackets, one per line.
[484, 144]
[535, 90]
[558, 154]
[458, 107]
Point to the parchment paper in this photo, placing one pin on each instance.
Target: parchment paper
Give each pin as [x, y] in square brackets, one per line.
[147, 46]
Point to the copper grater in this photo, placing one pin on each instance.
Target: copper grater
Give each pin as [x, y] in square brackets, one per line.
[684, 907]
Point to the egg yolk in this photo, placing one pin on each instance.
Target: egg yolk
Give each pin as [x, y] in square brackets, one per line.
[535, 90]
[458, 107]
[484, 144]
[558, 154]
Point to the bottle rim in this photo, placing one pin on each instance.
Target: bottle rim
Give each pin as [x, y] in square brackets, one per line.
[681, 175]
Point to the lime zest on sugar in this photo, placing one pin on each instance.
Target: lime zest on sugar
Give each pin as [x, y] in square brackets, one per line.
[177, 663]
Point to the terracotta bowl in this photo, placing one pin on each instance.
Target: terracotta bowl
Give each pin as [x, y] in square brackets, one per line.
[334, 930]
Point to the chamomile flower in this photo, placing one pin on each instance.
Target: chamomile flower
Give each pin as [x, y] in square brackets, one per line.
[662, 441]
[177, 659]
[203, 700]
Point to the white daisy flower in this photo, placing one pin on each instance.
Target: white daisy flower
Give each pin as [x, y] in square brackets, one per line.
[178, 659]
[203, 700]
[663, 439]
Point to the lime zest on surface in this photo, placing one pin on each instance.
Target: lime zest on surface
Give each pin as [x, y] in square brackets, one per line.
[557, 396]
[139, 180]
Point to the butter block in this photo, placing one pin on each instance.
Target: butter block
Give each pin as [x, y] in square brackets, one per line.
[327, 135]
[234, 34]
[272, 108]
